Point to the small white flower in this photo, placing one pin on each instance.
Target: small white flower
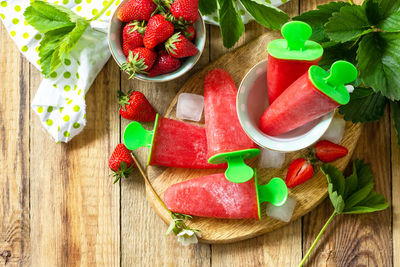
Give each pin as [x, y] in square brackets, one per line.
[187, 237]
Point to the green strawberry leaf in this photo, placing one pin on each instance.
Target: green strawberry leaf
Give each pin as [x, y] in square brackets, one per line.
[337, 51]
[389, 15]
[62, 30]
[395, 107]
[44, 17]
[317, 19]
[265, 13]
[231, 23]
[207, 7]
[353, 194]
[348, 24]
[378, 59]
[365, 105]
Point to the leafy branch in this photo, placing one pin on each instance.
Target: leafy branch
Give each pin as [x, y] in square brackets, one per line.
[230, 21]
[367, 35]
[351, 195]
[62, 29]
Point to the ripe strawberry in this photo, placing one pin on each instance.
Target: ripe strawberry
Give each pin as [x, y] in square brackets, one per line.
[135, 106]
[132, 36]
[185, 9]
[190, 33]
[121, 162]
[165, 63]
[136, 10]
[178, 46]
[140, 60]
[327, 151]
[158, 30]
[300, 171]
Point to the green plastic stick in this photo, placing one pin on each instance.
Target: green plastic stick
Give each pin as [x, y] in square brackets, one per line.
[275, 192]
[136, 136]
[296, 34]
[238, 171]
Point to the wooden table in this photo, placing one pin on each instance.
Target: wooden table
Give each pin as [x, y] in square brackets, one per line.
[60, 208]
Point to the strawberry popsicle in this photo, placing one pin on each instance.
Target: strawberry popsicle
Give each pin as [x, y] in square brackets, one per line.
[214, 196]
[313, 95]
[226, 139]
[172, 143]
[290, 58]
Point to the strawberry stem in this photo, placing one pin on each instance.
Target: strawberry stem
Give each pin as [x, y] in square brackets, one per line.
[317, 238]
[98, 15]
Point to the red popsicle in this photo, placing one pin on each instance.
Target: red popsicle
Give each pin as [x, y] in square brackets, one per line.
[227, 141]
[214, 196]
[172, 143]
[313, 95]
[290, 58]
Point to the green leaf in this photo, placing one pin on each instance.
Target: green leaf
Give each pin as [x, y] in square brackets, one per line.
[391, 23]
[265, 13]
[373, 202]
[358, 196]
[336, 199]
[365, 105]
[348, 24]
[395, 106]
[334, 177]
[207, 7]
[372, 11]
[62, 30]
[230, 21]
[45, 17]
[378, 59]
[337, 51]
[364, 173]
[317, 19]
[351, 184]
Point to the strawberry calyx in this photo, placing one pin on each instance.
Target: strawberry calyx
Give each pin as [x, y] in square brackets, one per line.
[162, 6]
[123, 99]
[134, 65]
[123, 171]
[170, 43]
[139, 26]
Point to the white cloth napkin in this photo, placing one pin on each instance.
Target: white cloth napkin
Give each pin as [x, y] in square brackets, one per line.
[60, 100]
[246, 17]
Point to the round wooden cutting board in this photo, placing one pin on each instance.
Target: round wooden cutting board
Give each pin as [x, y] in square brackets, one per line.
[308, 195]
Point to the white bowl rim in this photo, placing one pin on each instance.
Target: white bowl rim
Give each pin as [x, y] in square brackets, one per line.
[273, 143]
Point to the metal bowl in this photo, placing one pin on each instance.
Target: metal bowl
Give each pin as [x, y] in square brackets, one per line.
[252, 101]
[115, 45]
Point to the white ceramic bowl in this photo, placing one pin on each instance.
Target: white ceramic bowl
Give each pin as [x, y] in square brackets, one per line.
[115, 45]
[252, 101]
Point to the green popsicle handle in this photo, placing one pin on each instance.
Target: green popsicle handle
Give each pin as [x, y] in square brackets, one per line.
[275, 192]
[238, 171]
[296, 34]
[136, 136]
[342, 72]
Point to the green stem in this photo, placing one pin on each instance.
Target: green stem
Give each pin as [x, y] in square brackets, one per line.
[317, 238]
[103, 10]
[351, 2]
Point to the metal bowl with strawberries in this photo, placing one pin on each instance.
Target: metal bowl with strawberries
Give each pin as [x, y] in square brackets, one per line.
[155, 40]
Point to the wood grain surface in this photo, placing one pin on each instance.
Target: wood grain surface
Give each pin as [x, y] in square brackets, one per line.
[59, 207]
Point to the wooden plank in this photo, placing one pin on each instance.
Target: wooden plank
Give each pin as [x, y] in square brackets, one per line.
[278, 248]
[142, 231]
[359, 239]
[395, 197]
[14, 154]
[75, 206]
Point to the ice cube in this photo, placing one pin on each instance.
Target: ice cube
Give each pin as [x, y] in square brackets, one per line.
[282, 213]
[190, 107]
[271, 159]
[335, 131]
